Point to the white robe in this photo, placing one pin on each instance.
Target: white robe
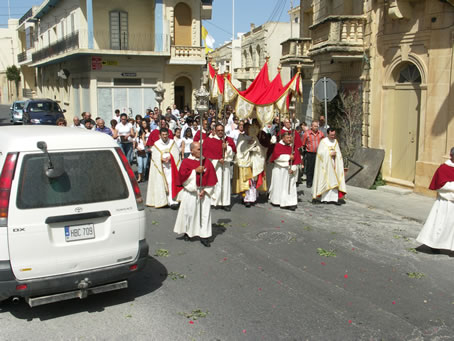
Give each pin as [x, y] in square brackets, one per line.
[281, 192]
[438, 231]
[159, 190]
[329, 172]
[223, 188]
[188, 218]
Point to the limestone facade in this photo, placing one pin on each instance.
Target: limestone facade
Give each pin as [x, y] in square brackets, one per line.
[99, 56]
[400, 55]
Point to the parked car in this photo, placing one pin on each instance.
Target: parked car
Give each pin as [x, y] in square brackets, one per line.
[72, 219]
[42, 111]
[16, 112]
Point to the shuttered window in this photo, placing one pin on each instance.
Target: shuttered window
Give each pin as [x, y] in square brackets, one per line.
[118, 30]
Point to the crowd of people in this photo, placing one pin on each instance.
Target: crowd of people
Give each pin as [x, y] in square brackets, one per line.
[239, 157]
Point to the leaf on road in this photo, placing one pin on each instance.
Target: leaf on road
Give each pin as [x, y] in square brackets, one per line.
[244, 224]
[175, 275]
[195, 314]
[307, 228]
[128, 316]
[162, 253]
[326, 253]
[154, 222]
[416, 275]
[412, 249]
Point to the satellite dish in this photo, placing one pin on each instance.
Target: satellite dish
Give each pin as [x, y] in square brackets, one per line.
[63, 73]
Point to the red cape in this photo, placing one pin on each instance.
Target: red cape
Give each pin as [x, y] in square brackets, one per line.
[442, 175]
[209, 178]
[280, 149]
[175, 177]
[155, 135]
[212, 147]
[298, 143]
[197, 136]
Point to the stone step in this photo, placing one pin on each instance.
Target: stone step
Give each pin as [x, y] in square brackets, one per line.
[395, 190]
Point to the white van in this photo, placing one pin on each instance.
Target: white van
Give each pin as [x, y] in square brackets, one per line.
[72, 219]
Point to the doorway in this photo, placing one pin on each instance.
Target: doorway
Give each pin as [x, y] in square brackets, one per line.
[183, 91]
[406, 116]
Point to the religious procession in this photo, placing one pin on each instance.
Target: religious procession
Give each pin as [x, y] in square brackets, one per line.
[250, 151]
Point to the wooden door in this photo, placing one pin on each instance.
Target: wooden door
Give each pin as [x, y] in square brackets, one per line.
[405, 132]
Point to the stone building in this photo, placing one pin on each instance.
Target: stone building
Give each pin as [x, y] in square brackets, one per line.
[256, 45]
[227, 58]
[99, 56]
[399, 55]
[8, 53]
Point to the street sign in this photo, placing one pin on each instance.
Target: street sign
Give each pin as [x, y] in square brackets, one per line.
[331, 89]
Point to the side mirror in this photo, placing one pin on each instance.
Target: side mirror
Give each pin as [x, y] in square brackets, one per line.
[57, 169]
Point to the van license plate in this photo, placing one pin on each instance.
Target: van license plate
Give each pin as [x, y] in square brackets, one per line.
[79, 232]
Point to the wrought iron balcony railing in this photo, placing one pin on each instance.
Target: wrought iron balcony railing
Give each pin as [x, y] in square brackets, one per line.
[70, 42]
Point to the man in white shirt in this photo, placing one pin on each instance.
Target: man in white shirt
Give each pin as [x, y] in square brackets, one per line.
[175, 111]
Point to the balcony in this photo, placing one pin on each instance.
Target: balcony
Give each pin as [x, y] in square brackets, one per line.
[339, 36]
[24, 57]
[296, 51]
[70, 42]
[187, 55]
[247, 73]
[27, 15]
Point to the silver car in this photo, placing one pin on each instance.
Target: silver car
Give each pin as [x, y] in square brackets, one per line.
[17, 112]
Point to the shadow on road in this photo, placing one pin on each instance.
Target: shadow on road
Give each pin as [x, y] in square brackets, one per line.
[141, 284]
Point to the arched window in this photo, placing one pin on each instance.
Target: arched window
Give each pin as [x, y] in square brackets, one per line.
[183, 20]
[251, 57]
[257, 56]
[409, 74]
[118, 30]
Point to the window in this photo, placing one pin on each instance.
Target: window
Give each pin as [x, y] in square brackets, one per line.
[29, 38]
[73, 28]
[127, 81]
[90, 176]
[409, 74]
[118, 30]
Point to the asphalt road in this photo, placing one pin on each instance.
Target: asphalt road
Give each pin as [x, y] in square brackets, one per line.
[264, 279]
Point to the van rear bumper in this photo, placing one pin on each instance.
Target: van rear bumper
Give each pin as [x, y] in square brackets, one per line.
[67, 282]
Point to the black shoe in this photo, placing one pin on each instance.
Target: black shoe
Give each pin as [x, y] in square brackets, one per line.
[174, 207]
[315, 201]
[337, 203]
[292, 208]
[226, 208]
[434, 251]
[308, 185]
[247, 204]
[205, 242]
[186, 237]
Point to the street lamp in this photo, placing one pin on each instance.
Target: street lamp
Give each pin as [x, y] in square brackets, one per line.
[159, 94]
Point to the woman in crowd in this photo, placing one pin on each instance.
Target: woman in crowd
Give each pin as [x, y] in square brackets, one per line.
[142, 156]
[125, 132]
[186, 145]
[177, 138]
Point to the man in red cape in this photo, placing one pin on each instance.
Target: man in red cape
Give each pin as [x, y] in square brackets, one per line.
[156, 135]
[221, 151]
[288, 128]
[194, 215]
[163, 176]
[204, 133]
[286, 159]
[438, 231]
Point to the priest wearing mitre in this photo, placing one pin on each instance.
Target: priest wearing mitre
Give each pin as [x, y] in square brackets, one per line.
[249, 170]
[438, 231]
[329, 181]
[163, 178]
[286, 160]
[198, 182]
[221, 151]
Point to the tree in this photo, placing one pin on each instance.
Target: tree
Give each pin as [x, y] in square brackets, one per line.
[13, 75]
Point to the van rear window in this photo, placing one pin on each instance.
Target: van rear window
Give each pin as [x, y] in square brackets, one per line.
[88, 177]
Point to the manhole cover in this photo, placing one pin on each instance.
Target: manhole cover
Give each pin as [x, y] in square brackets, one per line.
[276, 236]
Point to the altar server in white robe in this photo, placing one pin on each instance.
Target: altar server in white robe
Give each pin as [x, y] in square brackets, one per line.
[194, 215]
[329, 181]
[438, 231]
[286, 160]
[163, 176]
[221, 151]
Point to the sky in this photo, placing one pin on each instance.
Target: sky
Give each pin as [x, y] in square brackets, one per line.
[220, 25]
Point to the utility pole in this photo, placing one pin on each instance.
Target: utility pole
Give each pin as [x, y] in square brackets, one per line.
[233, 21]
[291, 19]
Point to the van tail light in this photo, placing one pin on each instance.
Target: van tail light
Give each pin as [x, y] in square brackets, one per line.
[132, 178]
[6, 179]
